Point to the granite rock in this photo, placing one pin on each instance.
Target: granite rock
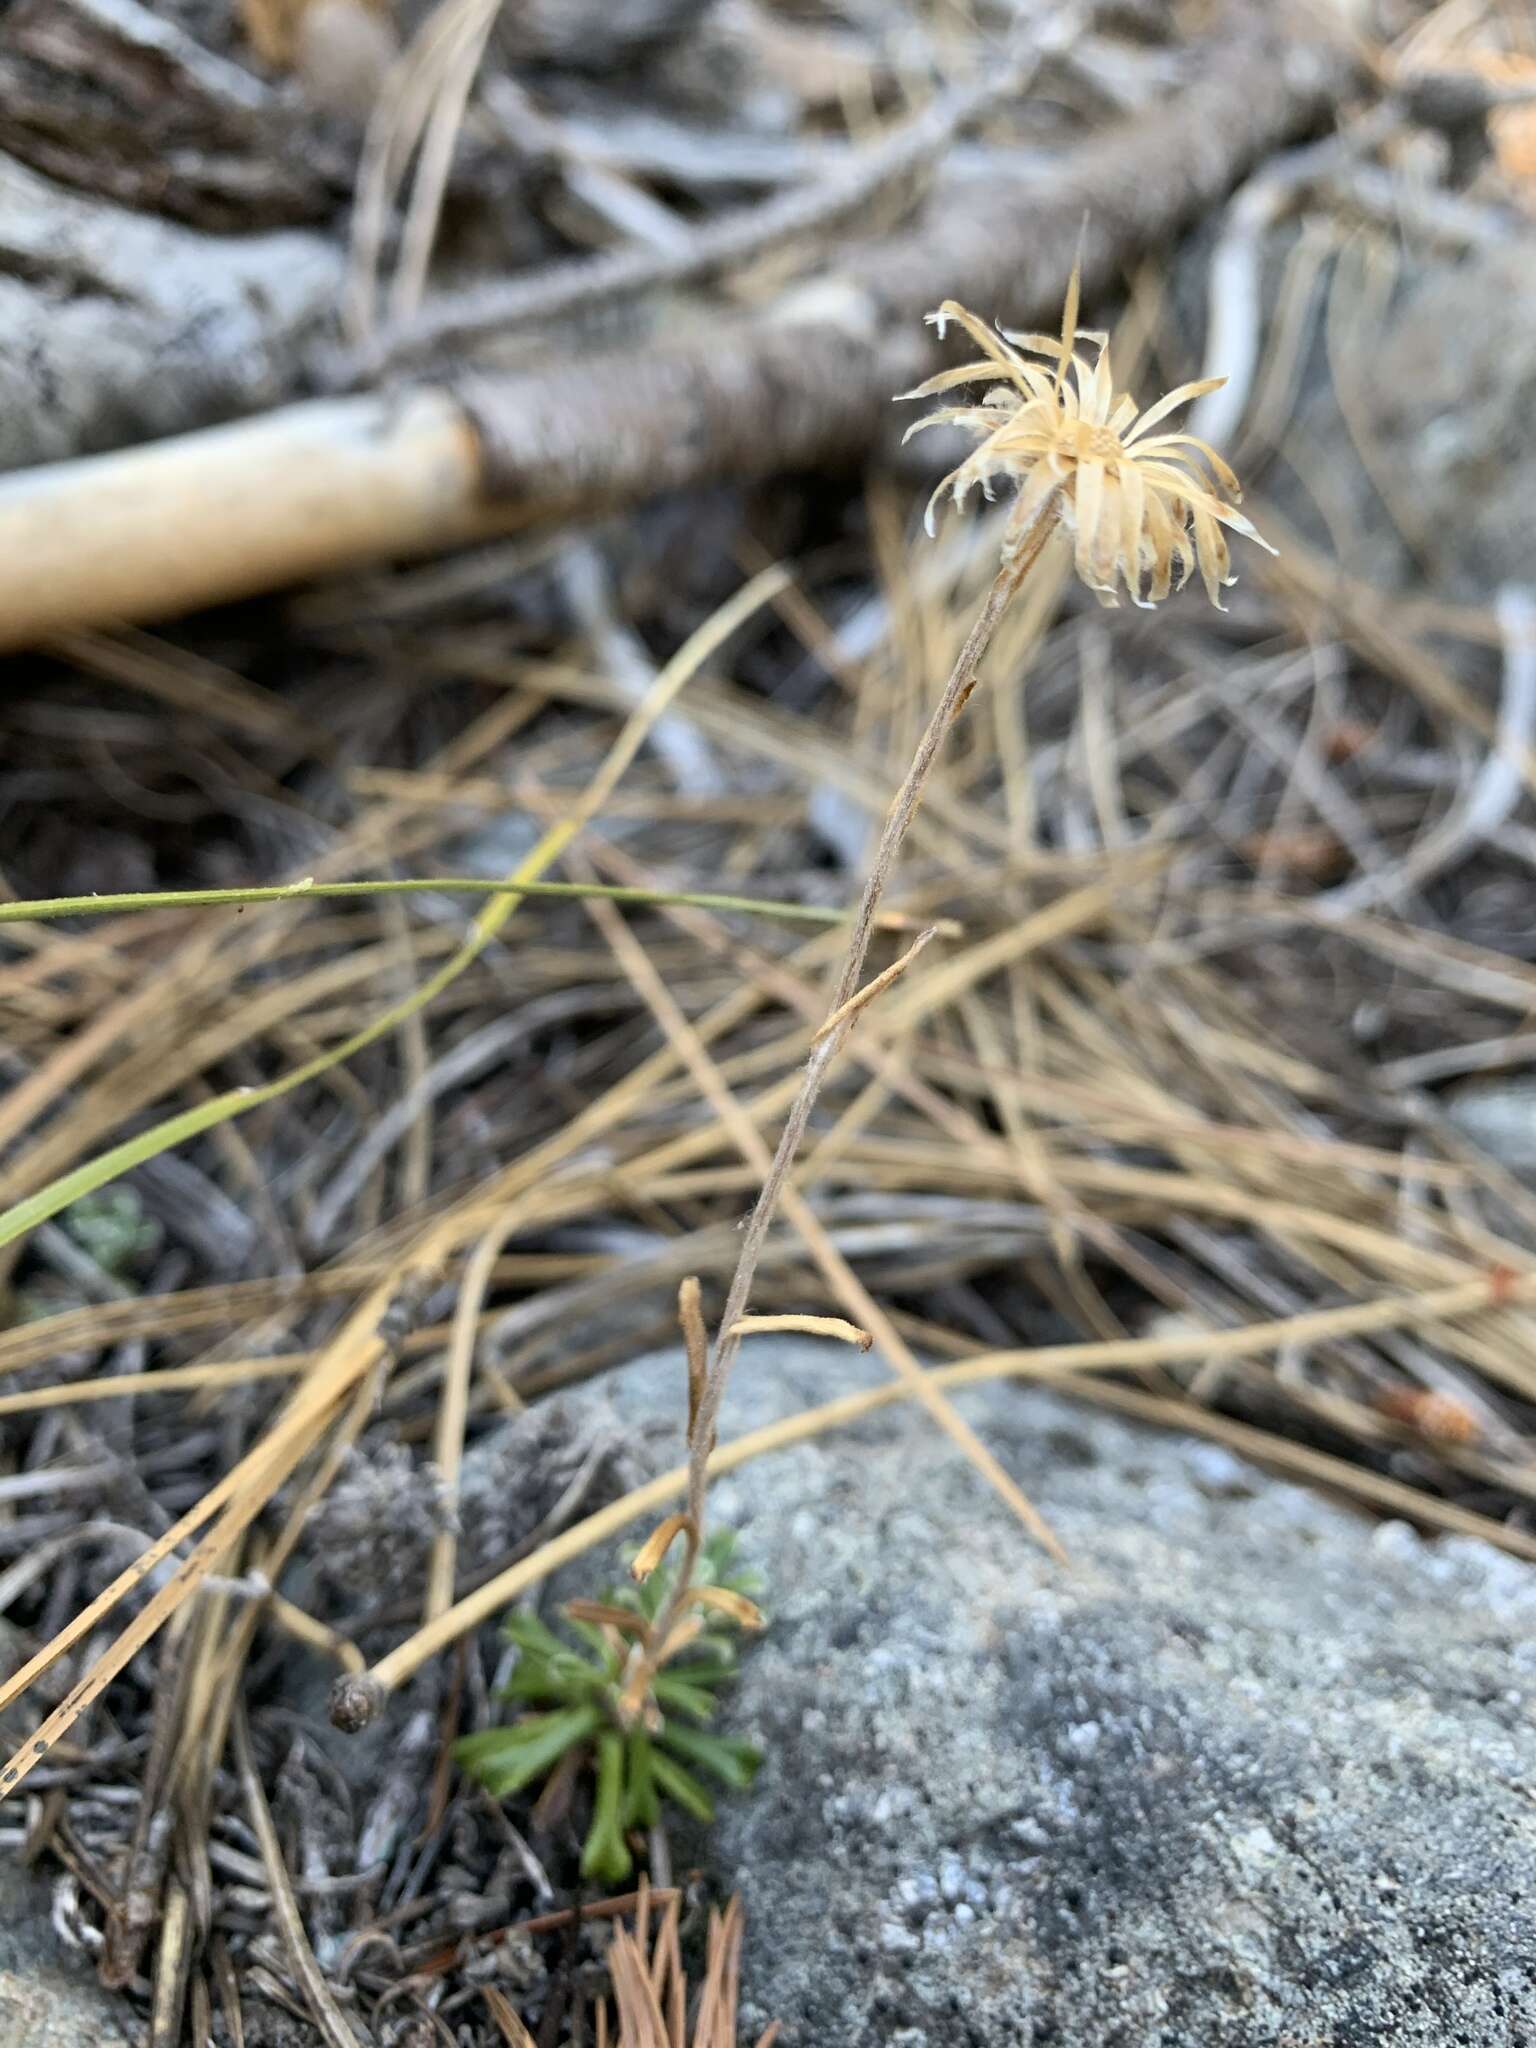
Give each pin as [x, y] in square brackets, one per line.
[1251, 1772]
[49, 1997]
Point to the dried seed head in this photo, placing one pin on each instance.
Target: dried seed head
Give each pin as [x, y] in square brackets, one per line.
[1143, 507]
[657, 1544]
[603, 1615]
[635, 1703]
[677, 1639]
[355, 1701]
[746, 1613]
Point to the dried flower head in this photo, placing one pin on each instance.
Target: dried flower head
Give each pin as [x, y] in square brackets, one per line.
[1143, 508]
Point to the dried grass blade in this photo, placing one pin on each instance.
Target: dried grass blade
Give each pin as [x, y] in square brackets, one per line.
[47, 1201]
[173, 1965]
[326, 2013]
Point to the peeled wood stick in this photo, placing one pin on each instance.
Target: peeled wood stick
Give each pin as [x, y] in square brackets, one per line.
[204, 517]
[317, 488]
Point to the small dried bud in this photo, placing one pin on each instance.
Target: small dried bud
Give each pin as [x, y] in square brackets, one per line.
[656, 1546]
[678, 1638]
[1441, 1417]
[740, 1609]
[356, 1700]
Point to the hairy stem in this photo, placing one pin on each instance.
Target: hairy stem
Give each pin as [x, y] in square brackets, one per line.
[824, 1051]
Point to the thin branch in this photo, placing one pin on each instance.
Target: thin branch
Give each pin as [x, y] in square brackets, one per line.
[805, 379]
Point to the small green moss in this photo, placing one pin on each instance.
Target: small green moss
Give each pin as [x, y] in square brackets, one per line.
[112, 1227]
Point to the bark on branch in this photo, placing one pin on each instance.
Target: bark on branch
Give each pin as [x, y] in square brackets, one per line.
[315, 488]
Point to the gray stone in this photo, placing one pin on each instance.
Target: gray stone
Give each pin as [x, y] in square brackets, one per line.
[1500, 1116]
[49, 1997]
[1251, 1772]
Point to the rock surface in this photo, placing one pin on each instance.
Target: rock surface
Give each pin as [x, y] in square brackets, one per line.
[1254, 1772]
[48, 1997]
[1445, 395]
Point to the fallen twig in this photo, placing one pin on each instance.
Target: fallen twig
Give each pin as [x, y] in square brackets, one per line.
[806, 381]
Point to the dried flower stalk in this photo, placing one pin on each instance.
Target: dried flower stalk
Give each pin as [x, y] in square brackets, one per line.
[1145, 516]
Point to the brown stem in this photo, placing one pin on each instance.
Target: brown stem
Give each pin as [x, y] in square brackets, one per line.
[904, 807]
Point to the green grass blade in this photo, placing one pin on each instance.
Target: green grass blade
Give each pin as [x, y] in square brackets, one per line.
[642, 1807]
[681, 1786]
[504, 898]
[42, 908]
[680, 1697]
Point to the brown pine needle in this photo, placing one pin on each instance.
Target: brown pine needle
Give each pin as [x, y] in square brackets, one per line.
[238, 1498]
[650, 1986]
[840, 1276]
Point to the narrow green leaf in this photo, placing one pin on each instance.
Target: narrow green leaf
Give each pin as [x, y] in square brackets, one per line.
[42, 908]
[596, 1641]
[507, 1759]
[533, 1636]
[727, 1757]
[682, 1786]
[676, 1692]
[605, 1854]
[570, 1680]
[710, 1659]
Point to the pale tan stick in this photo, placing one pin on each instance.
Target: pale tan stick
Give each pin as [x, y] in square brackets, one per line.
[206, 517]
[453, 1407]
[805, 1326]
[170, 1378]
[307, 1628]
[861, 1305]
[796, 381]
[840, 1018]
